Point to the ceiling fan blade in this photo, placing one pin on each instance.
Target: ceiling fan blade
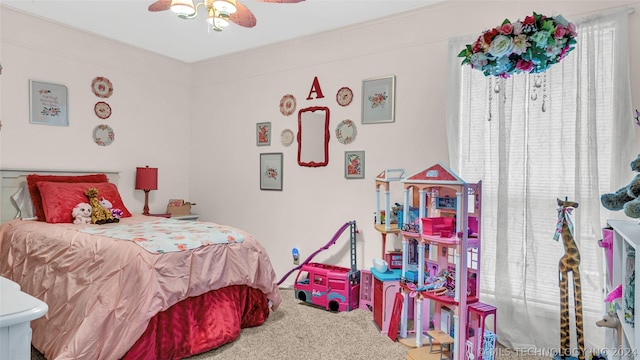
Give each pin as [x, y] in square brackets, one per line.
[243, 16]
[281, 1]
[160, 5]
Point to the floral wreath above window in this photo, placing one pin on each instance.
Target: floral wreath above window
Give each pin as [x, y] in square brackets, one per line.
[529, 46]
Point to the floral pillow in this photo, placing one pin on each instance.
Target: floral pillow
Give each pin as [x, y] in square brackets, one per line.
[32, 183]
[59, 199]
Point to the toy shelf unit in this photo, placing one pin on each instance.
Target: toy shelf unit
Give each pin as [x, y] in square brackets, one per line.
[385, 222]
[626, 244]
[441, 263]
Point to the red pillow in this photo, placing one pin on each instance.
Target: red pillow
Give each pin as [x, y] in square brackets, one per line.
[32, 184]
[59, 199]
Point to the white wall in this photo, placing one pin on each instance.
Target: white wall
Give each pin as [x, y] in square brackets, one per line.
[150, 128]
[196, 122]
[315, 202]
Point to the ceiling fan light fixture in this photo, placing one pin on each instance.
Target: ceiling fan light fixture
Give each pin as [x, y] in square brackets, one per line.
[225, 6]
[184, 8]
[217, 21]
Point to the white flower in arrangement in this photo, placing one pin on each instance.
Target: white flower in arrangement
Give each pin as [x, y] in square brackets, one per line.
[500, 46]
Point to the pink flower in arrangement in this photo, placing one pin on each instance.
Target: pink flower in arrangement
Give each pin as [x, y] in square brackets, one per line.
[560, 32]
[524, 65]
[506, 28]
[529, 20]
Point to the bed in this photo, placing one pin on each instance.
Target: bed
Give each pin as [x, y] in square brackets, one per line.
[112, 297]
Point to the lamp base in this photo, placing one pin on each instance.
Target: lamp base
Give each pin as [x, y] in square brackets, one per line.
[145, 210]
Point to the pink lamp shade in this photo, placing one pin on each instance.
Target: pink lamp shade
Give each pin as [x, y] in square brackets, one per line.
[146, 178]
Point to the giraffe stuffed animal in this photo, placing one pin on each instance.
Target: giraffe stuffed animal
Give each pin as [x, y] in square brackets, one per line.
[99, 214]
[569, 263]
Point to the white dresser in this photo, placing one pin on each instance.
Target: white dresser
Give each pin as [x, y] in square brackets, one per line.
[17, 309]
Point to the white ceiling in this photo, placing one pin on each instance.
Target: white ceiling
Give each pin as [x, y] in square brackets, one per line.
[130, 22]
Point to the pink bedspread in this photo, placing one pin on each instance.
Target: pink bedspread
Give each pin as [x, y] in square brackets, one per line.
[102, 292]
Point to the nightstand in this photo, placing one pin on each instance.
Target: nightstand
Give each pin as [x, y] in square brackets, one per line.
[17, 310]
[190, 217]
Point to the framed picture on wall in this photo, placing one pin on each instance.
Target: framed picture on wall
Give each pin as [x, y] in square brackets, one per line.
[378, 100]
[48, 104]
[263, 134]
[271, 171]
[354, 164]
[432, 268]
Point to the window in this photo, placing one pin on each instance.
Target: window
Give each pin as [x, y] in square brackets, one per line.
[532, 139]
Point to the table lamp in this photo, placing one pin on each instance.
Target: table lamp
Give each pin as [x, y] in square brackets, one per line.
[146, 179]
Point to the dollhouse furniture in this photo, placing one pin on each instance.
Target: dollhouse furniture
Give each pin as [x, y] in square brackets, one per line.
[454, 253]
[385, 287]
[366, 290]
[480, 311]
[383, 181]
[17, 310]
[442, 338]
[394, 259]
[436, 225]
[626, 259]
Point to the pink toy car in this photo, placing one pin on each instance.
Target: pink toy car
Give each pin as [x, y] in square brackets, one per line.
[331, 287]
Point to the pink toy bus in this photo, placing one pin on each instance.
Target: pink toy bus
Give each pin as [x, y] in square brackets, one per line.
[330, 287]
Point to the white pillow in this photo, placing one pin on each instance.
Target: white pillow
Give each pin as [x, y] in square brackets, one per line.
[23, 204]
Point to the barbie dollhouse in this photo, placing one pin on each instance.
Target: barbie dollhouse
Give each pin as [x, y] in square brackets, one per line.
[441, 266]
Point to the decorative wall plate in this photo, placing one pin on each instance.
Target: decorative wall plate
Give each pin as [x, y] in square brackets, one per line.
[103, 135]
[287, 105]
[102, 87]
[286, 137]
[344, 96]
[102, 110]
[346, 131]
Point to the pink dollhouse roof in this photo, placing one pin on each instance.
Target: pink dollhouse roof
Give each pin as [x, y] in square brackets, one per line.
[436, 174]
[390, 175]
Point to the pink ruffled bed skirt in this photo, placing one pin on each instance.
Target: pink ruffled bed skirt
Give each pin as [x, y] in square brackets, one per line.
[202, 323]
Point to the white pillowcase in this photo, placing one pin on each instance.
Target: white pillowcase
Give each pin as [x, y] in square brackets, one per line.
[23, 204]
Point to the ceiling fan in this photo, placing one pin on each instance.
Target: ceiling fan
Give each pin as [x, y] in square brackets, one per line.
[219, 12]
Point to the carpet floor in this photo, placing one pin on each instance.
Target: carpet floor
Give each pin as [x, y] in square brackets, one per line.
[299, 331]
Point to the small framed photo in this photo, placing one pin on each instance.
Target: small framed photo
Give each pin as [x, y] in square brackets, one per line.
[378, 100]
[432, 268]
[271, 171]
[354, 164]
[48, 104]
[446, 203]
[263, 134]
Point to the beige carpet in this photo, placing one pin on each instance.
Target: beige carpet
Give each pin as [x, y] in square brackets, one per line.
[298, 331]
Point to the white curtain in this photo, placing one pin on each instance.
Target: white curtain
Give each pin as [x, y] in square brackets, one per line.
[534, 138]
